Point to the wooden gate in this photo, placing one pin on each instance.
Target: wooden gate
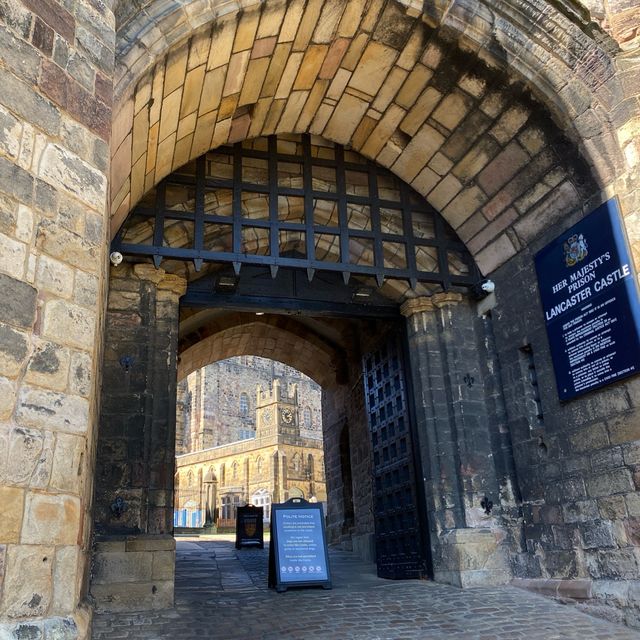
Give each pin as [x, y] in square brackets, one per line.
[400, 529]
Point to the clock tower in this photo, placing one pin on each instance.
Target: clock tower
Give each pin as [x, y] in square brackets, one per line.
[277, 411]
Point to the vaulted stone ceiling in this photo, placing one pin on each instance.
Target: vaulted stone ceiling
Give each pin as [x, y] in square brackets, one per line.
[450, 101]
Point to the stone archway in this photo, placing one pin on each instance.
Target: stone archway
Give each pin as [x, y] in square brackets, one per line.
[503, 150]
[458, 126]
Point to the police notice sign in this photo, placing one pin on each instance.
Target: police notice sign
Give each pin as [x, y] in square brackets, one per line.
[590, 301]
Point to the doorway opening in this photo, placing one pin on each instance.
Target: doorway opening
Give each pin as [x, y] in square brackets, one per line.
[248, 432]
[291, 248]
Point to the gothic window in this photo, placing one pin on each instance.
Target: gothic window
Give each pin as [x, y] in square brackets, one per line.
[259, 466]
[234, 471]
[244, 404]
[295, 462]
[307, 417]
[261, 498]
[190, 479]
[227, 508]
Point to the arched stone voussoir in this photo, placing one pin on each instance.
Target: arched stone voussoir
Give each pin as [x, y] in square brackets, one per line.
[276, 338]
[446, 117]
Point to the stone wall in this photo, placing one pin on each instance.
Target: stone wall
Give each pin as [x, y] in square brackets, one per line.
[136, 442]
[350, 508]
[56, 69]
[577, 467]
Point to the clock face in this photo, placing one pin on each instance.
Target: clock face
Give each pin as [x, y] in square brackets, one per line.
[266, 416]
[287, 416]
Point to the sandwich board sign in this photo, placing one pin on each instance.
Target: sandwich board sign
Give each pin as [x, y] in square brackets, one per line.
[298, 555]
[589, 294]
[249, 526]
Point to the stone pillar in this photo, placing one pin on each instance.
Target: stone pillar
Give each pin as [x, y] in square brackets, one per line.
[134, 550]
[454, 442]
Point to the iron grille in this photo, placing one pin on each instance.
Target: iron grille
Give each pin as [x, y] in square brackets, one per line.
[296, 202]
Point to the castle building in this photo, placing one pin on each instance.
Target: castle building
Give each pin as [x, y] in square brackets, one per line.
[394, 197]
[237, 447]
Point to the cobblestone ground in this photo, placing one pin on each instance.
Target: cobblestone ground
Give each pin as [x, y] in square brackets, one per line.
[221, 594]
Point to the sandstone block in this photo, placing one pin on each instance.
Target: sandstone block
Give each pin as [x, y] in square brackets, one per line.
[346, 117]
[413, 86]
[52, 410]
[444, 192]
[151, 543]
[27, 584]
[65, 579]
[12, 500]
[22, 100]
[51, 519]
[18, 306]
[462, 207]
[117, 567]
[29, 456]
[605, 484]
[625, 428]
[14, 348]
[418, 152]
[13, 255]
[69, 323]
[310, 67]
[452, 110]
[7, 398]
[420, 111]
[80, 374]
[589, 438]
[10, 134]
[502, 168]
[49, 366]
[497, 253]
[510, 122]
[164, 563]
[632, 501]
[86, 290]
[236, 72]
[551, 209]
[69, 173]
[24, 224]
[67, 473]
[133, 597]
[373, 68]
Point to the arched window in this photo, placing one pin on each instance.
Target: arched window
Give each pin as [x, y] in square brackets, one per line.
[244, 404]
[259, 466]
[262, 498]
[307, 417]
[234, 471]
[190, 479]
[295, 462]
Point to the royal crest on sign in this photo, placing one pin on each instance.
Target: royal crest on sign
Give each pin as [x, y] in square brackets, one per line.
[575, 249]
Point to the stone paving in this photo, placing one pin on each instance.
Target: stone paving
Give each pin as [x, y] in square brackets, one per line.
[221, 594]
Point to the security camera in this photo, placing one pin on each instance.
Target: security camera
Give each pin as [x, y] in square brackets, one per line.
[116, 258]
[483, 288]
[488, 286]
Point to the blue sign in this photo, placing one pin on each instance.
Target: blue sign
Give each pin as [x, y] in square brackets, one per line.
[298, 549]
[590, 301]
